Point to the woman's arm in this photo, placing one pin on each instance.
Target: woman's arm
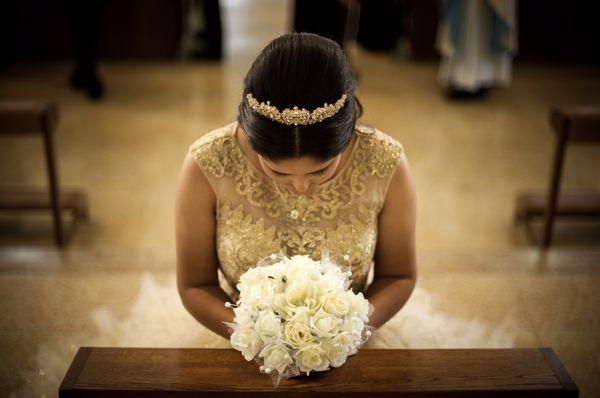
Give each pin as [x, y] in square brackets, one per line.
[197, 261]
[395, 259]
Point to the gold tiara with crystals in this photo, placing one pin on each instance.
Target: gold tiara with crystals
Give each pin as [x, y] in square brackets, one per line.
[296, 116]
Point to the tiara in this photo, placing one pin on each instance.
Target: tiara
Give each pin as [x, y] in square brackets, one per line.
[296, 116]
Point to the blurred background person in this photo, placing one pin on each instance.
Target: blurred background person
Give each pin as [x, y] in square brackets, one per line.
[326, 18]
[202, 36]
[84, 20]
[477, 40]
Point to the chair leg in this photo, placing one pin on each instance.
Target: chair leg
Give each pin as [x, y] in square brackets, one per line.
[554, 190]
[53, 185]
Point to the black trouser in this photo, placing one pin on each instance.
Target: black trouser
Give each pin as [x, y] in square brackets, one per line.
[83, 17]
[324, 17]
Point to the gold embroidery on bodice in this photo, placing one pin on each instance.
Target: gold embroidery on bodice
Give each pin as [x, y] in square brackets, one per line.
[257, 217]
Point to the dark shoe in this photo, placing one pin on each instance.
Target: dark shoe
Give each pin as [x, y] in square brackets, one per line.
[458, 94]
[76, 80]
[87, 81]
[211, 54]
[94, 88]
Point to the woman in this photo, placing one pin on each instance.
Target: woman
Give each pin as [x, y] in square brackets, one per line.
[299, 182]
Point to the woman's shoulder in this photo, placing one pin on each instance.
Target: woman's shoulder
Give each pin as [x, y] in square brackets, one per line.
[381, 152]
[211, 150]
[219, 134]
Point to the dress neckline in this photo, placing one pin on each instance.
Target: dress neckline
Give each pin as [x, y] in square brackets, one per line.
[318, 188]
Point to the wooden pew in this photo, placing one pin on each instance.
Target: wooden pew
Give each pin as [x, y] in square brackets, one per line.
[576, 125]
[160, 372]
[30, 117]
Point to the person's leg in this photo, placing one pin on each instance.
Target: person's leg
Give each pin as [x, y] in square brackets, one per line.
[84, 18]
[326, 18]
[214, 35]
[205, 34]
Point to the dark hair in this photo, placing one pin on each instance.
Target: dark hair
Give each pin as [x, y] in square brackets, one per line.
[304, 70]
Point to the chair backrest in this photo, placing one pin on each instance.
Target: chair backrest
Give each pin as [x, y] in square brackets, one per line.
[28, 117]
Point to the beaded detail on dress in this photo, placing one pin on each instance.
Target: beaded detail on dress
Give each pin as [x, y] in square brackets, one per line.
[255, 216]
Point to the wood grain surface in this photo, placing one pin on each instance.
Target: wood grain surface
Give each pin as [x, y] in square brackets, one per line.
[157, 372]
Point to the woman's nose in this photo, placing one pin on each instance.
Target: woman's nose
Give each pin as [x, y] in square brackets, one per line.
[301, 186]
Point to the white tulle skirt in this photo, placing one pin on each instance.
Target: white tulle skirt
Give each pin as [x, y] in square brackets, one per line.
[157, 318]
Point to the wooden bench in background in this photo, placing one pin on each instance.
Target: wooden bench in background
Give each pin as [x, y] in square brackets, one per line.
[23, 118]
[575, 124]
[160, 372]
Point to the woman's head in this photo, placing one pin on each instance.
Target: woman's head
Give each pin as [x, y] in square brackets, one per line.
[304, 70]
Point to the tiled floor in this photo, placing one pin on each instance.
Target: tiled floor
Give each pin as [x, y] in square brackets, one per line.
[469, 161]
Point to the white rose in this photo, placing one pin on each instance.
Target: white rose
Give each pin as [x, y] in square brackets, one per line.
[261, 292]
[359, 305]
[311, 357]
[294, 268]
[336, 304]
[276, 356]
[301, 291]
[281, 306]
[268, 326]
[297, 334]
[353, 325]
[280, 279]
[333, 280]
[293, 273]
[243, 315]
[337, 349]
[301, 315]
[250, 277]
[325, 324]
[246, 340]
[300, 262]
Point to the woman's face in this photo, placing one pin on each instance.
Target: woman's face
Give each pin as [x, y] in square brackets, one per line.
[301, 173]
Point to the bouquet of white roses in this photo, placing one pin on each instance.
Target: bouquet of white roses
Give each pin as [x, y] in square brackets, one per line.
[298, 315]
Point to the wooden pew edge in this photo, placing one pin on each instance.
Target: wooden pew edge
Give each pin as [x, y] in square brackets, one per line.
[68, 385]
[72, 375]
[560, 371]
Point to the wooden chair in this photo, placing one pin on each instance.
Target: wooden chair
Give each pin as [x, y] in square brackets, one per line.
[576, 124]
[168, 372]
[19, 118]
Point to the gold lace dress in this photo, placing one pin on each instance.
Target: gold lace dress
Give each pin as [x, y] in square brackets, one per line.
[257, 216]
